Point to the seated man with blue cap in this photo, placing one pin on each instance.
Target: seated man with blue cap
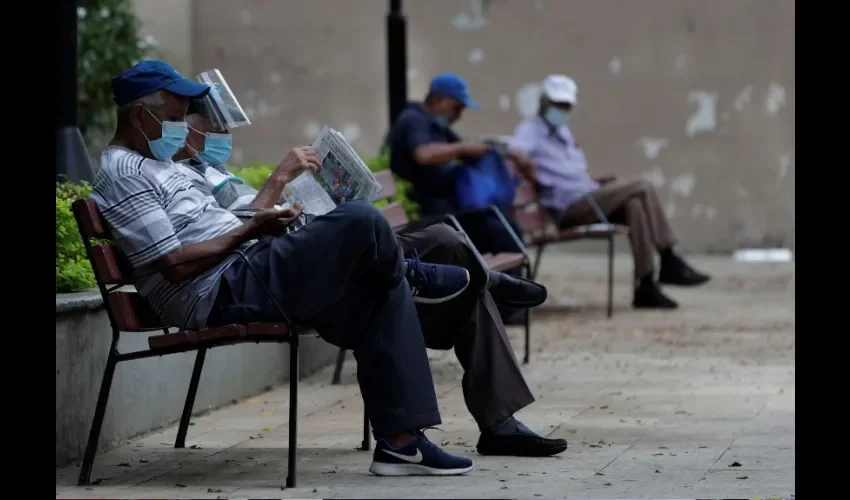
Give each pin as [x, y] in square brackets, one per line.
[427, 152]
[343, 274]
[493, 385]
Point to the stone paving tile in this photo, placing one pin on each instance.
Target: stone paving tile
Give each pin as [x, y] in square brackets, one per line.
[684, 393]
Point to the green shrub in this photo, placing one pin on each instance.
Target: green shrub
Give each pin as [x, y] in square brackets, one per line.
[108, 42]
[73, 270]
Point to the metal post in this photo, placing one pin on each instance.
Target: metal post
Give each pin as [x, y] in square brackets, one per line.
[396, 59]
[72, 158]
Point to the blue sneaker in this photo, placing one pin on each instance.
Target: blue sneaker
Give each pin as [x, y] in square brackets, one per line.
[435, 283]
[419, 457]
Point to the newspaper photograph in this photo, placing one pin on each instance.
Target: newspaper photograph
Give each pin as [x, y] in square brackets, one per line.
[343, 177]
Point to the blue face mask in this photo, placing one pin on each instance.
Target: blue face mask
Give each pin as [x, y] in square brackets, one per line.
[555, 116]
[441, 121]
[173, 137]
[217, 149]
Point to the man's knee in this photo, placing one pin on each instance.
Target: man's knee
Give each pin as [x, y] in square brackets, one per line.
[445, 236]
[361, 215]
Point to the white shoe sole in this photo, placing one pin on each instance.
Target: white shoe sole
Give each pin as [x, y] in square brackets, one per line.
[440, 300]
[383, 469]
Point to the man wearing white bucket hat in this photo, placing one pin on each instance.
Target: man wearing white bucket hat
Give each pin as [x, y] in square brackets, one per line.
[573, 197]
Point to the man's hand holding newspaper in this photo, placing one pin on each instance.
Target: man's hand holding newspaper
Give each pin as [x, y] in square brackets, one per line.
[298, 160]
[342, 175]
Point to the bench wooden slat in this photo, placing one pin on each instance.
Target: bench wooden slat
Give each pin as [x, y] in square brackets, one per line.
[132, 313]
[387, 182]
[91, 221]
[395, 214]
[108, 266]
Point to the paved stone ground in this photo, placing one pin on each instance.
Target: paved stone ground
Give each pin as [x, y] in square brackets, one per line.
[696, 403]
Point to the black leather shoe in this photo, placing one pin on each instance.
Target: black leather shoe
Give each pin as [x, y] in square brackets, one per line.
[515, 293]
[649, 296]
[675, 271]
[519, 445]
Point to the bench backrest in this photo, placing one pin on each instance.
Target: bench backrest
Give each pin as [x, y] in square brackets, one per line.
[394, 211]
[127, 310]
[530, 216]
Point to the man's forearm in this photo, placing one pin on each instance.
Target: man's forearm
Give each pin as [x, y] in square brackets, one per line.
[194, 259]
[439, 154]
[269, 194]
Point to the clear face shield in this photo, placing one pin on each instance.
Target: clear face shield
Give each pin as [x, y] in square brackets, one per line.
[220, 106]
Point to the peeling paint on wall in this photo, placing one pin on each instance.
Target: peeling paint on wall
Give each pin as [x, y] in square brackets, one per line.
[614, 66]
[351, 132]
[704, 118]
[473, 20]
[710, 212]
[527, 99]
[505, 102]
[651, 146]
[476, 56]
[743, 98]
[683, 185]
[246, 17]
[774, 101]
[275, 77]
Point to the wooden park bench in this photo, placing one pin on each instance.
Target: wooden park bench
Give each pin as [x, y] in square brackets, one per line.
[541, 231]
[128, 312]
[397, 217]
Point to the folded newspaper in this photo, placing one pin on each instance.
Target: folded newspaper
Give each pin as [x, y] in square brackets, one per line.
[343, 177]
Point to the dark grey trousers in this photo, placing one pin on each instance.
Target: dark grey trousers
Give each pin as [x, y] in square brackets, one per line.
[493, 385]
[342, 274]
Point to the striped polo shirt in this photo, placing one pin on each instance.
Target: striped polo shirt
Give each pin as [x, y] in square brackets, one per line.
[152, 209]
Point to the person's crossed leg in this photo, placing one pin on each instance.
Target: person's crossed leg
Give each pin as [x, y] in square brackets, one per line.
[493, 386]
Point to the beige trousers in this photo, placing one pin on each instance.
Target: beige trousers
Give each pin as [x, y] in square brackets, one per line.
[634, 203]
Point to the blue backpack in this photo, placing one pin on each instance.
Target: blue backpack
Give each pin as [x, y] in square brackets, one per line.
[484, 182]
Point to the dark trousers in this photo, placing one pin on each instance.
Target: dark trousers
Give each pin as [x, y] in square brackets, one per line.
[343, 275]
[493, 385]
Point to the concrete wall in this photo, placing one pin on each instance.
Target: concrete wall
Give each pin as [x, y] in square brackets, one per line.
[698, 96]
[149, 393]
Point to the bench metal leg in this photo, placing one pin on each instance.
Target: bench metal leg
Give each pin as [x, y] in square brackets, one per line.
[293, 409]
[537, 260]
[99, 413]
[527, 322]
[340, 360]
[367, 437]
[610, 276]
[180, 442]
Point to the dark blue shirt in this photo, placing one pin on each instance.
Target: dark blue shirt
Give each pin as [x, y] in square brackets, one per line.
[416, 127]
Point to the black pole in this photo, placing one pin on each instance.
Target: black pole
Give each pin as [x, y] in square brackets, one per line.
[72, 159]
[396, 59]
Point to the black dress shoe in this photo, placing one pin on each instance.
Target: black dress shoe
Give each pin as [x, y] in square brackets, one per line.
[519, 445]
[514, 292]
[675, 271]
[649, 296]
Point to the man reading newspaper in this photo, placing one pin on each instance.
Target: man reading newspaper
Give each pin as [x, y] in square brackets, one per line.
[343, 274]
[493, 385]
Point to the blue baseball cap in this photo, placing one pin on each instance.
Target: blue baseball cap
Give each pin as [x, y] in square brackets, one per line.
[150, 76]
[454, 86]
